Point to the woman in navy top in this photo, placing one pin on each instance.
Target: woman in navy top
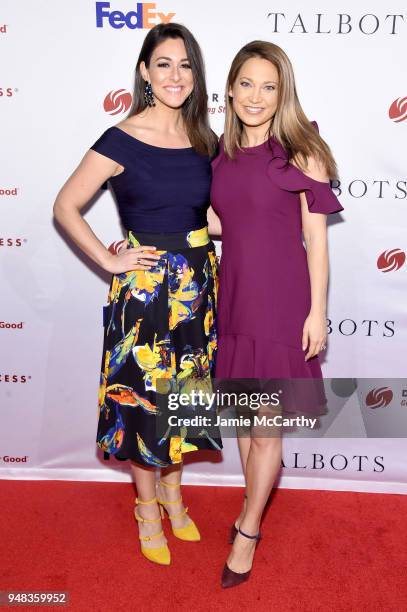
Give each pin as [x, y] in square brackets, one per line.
[160, 330]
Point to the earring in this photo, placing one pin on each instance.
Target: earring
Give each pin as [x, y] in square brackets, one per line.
[148, 94]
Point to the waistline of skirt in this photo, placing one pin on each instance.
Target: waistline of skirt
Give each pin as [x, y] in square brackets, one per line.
[170, 241]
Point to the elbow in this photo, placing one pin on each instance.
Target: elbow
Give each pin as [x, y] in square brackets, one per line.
[57, 210]
[316, 240]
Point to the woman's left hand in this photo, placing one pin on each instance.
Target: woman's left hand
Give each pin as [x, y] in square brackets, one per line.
[314, 335]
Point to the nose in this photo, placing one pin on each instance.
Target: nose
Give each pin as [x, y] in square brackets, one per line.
[255, 95]
[175, 75]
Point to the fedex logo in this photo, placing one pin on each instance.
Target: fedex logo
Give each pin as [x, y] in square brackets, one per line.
[142, 17]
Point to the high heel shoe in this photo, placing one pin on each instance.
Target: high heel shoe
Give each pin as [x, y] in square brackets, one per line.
[189, 533]
[234, 530]
[159, 555]
[231, 578]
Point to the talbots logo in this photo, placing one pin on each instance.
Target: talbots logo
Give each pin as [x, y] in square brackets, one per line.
[145, 15]
[117, 101]
[391, 260]
[398, 110]
[377, 398]
[115, 246]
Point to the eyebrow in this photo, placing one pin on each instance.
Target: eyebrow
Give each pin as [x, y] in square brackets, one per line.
[264, 83]
[184, 59]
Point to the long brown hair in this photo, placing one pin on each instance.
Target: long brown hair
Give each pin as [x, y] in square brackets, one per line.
[289, 126]
[194, 109]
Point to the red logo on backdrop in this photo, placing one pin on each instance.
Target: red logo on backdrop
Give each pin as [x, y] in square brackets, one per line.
[3, 28]
[377, 398]
[398, 110]
[117, 101]
[391, 260]
[115, 246]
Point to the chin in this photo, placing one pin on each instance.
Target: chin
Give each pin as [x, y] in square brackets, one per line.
[173, 101]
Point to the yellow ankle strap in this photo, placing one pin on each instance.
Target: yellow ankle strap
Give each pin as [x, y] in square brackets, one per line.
[175, 516]
[145, 503]
[170, 485]
[144, 520]
[151, 537]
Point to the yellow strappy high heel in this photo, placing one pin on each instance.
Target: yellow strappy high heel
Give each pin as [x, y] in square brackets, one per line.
[189, 533]
[159, 555]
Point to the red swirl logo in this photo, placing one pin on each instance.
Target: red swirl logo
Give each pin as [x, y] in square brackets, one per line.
[377, 398]
[398, 110]
[115, 246]
[391, 260]
[117, 101]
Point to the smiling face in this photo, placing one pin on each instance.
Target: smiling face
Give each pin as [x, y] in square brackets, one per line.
[255, 92]
[169, 73]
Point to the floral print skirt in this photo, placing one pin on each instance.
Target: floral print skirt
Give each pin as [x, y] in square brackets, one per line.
[159, 328]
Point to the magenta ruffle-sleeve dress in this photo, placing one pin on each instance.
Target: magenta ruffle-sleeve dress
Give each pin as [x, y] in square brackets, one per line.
[264, 284]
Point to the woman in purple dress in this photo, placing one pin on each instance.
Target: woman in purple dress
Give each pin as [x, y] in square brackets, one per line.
[270, 190]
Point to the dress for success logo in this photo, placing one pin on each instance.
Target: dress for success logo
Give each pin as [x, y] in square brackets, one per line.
[117, 101]
[391, 260]
[11, 325]
[14, 378]
[7, 92]
[9, 459]
[145, 15]
[12, 242]
[398, 110]
[8, 192]
[378, 398]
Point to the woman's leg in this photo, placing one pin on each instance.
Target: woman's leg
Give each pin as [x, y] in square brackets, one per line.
[145, 480]
[262, 466]
[171, 476]
[244, 448]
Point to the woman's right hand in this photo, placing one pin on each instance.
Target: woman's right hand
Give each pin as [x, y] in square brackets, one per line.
[127, 260]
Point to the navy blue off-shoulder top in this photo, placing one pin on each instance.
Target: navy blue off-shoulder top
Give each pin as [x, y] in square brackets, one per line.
[161, 190]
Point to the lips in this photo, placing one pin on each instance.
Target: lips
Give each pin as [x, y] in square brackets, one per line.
[253, 110]
[176, 89]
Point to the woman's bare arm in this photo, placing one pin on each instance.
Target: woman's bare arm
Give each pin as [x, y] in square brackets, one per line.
[315, 237]
[81, 186]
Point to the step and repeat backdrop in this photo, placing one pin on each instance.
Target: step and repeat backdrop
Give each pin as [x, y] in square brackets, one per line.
[66, 75]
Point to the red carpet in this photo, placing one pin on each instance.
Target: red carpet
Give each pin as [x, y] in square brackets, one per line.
[321, 551]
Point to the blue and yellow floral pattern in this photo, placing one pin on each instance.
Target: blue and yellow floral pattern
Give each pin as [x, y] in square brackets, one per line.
[160, 334]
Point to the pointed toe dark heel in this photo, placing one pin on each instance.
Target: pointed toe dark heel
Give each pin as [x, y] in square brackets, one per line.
[231, 578]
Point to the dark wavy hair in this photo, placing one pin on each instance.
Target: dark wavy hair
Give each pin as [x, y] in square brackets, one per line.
[195, 109]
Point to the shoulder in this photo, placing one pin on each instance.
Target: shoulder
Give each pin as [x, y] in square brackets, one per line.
[316, 170]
